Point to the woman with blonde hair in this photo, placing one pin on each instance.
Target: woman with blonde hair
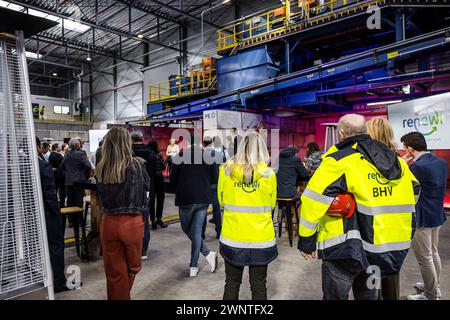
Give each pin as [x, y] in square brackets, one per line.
[380, 129]
[247, 191]
[122, 182]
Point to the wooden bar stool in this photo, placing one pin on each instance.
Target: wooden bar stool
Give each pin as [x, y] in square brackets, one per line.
[77, 215]
[284, 204]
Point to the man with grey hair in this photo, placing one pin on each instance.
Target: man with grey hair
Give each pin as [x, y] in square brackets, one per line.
[351, 125]
[361, 245]
[75, 168]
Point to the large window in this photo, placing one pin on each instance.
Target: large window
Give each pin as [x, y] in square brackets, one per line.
[61, 109]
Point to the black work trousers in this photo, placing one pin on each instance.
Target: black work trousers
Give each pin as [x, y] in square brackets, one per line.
[258, 276]
[55, 238]
[158, 199]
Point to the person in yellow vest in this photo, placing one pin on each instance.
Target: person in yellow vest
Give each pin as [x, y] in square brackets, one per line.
[247, 191]
[35, 111]
[374, 241]
[41, 112]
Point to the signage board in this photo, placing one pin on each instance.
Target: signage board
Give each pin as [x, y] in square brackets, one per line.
[430, 116]
[95, 136]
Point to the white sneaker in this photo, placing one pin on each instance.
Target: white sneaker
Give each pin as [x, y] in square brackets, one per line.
[193, 271]
[144, 257]
[212, 260]
[420, 296]
[421, 287]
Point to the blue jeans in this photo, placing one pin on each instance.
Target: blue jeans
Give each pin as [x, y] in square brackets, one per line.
[341, 276]
[217, 215]
[146, 239]
[191, 219]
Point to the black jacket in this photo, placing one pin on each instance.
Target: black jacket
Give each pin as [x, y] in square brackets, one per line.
[130, 196]
[289, 168]
[75, 167]
[51, 204]
[56, 160]
[216, 158]
[192, 182]
[143, 151]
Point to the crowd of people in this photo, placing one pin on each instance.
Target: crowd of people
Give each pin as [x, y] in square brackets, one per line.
[397, 201]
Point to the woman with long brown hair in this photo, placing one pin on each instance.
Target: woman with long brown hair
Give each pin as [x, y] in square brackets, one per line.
[123, 184]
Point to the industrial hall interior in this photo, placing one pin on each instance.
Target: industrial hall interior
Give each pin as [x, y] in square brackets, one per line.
[216, 150]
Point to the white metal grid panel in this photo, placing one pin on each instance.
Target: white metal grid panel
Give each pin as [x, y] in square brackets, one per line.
[23, 263]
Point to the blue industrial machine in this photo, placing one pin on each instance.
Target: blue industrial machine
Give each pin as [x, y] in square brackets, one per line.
[314, 70]
[245, 68]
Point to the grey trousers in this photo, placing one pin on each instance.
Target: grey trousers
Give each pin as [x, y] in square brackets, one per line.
[425, 247]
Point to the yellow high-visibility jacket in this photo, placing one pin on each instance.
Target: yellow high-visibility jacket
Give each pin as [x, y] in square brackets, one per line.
[385, 190]
[248, 235]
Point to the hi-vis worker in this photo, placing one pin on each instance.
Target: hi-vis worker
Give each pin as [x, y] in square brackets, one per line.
[374, 241]
[247, 191]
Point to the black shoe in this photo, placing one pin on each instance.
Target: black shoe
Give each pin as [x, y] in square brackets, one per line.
[161, 223]
[154, 225]
[63, 288]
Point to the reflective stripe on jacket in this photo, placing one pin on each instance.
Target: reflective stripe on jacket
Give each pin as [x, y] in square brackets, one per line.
[381, 230]
[248, 236]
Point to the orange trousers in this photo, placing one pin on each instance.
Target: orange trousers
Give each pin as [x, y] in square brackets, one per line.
[121, 237]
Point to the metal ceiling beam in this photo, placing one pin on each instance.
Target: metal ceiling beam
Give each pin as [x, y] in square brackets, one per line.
[137, 6]
[38, 75]
[92, 25]
[65, 65]
[77, 47]
[183, 13]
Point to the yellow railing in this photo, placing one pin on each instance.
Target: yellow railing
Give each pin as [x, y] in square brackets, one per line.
[197, 82]
[201, 78]
[293, 13]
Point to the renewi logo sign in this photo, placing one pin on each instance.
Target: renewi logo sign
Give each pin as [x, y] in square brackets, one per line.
[427, 124]
[429, 115]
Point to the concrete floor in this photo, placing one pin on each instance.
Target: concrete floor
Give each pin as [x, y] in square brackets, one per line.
[165, 275]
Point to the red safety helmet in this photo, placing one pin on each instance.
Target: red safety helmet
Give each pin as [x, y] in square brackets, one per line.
[343, 206]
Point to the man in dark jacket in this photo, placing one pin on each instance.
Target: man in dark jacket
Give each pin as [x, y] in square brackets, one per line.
[215, 156]
[142, 151]
[145, 152]
[75, 168]
[290, 169]
[55, 235]
[432, 173]
[191, 177]
[56, 159]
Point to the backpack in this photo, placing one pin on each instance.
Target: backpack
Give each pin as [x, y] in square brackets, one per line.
[91, 249]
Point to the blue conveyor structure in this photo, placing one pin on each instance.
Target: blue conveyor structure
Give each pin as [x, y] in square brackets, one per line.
[300, 88]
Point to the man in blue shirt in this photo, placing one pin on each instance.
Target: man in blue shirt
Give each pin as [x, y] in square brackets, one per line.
[432, 173]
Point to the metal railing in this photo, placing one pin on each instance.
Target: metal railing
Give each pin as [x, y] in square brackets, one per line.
[279, 20]
[199, 81]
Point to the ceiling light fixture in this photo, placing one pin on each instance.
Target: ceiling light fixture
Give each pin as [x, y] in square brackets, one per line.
[383, 102]
[54, 74]
[88, 58]
[140, 36]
